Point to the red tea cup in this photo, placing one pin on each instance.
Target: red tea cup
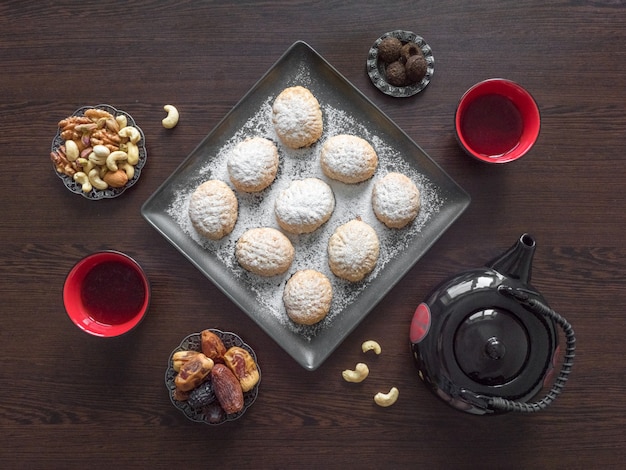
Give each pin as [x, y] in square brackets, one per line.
[106, 294]
[497, 121]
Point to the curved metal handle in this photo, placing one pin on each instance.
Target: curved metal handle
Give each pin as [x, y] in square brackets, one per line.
[502, 404]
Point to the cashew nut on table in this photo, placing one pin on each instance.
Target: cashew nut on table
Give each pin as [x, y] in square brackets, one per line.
[359, 374]
[371, 345]
[387, 399]
[172, 117]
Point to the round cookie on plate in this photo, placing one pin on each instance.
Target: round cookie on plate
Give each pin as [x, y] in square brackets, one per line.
[252, 164]
[348, 158]
[213, 209]
[353, 250]
[264, 251]
[297, 117]
[395, 200]
[307, 297]
[304, 205]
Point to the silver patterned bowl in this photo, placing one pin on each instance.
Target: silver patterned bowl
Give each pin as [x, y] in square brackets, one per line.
[204, 415]
[376, 69]
[110, 192]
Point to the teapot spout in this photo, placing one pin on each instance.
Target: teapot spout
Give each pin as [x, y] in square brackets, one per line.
[517, 261]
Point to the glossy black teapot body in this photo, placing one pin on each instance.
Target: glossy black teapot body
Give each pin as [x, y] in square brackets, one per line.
[478, 339]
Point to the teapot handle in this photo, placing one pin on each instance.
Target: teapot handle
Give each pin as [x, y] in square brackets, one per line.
[503, 404]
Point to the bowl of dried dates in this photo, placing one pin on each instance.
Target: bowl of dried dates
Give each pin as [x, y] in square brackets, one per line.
[98, 151]
[213, 377]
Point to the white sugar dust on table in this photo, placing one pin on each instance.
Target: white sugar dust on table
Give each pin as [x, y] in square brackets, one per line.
[351, 201]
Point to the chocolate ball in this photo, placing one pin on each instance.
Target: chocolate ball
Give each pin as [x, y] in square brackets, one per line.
[408, 50]
[396, 73]
[415, 68]
[389, 49]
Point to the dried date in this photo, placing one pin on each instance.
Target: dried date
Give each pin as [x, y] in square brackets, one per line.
[212, 346]
[193, 373]
[227, 389]
[242, 364]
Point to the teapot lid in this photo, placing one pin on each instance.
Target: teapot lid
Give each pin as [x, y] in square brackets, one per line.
[491, 346]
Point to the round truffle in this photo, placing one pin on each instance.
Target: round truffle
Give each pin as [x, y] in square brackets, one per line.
[396, 73]
[409, 49]
[389, 49]
[415, 68]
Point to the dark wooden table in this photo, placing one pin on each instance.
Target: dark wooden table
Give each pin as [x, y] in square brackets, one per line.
[70, 400]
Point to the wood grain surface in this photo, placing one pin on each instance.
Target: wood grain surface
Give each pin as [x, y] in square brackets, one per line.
[69, 400]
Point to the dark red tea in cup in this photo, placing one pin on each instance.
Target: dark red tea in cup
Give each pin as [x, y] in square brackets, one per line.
[106, 294]
[497, 121]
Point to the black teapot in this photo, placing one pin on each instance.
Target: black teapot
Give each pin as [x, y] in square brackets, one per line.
[485, 341]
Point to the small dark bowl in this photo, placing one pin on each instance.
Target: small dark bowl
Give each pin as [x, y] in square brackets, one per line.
[110, 192]
[376, 69]
[193, 342]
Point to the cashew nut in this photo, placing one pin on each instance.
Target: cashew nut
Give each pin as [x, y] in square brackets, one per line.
[85, 164]
[114, 157]
[387, 399]
[96, 181]
[121, 120]
[130, 132]
[71, 150]
[358, 375]
[82, 179]
[172, 116]
[133, 153]
[99, 161]
[128, 169]
[371, 345]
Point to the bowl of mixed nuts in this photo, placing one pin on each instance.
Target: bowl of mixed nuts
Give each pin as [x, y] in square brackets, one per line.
[213, 377]
[98, 151]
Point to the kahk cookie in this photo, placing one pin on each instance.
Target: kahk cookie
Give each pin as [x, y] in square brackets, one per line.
[264, 251]
[213, 209]
[304, 205]
[395, 200]
[252, 164]
[353, 250]
[348, 158]
[297, 117]
[307, 297]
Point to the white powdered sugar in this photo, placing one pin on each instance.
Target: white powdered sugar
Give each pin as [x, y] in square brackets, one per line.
[351, 201]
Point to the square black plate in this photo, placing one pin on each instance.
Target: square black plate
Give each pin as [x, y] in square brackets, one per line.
[345, 110]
